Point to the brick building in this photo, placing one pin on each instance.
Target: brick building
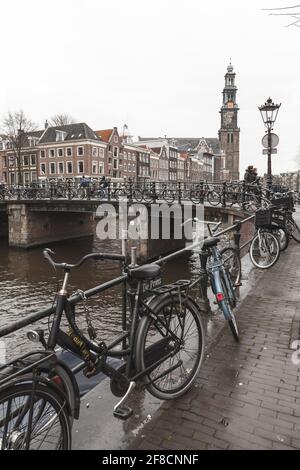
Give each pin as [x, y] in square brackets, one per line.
[70, 151]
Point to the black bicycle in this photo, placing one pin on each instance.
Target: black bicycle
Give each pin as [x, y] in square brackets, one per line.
[162, 347]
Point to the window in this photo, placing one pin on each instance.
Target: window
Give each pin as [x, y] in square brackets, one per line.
[32, 160]
[110, 160]
[80, 166]
[43, 168]
[43, 154]
[109, 148]
[60, 168]
[116, 151]
[94, 168]
[52, 168]
[101, 153]
[80, 151]
[60, 152]
[52, 153]
[115, 164]
[4, 160]
[60, 136]
[69, 167]
[115, 138]
[25, 160]
[69, 151]
[101, 168]
[94, 152]
[26, 177]
[33, 176]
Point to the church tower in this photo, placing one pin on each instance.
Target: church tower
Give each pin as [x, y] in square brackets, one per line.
[229, 134]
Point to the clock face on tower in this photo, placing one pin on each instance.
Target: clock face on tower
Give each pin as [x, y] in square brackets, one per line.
[228, 119]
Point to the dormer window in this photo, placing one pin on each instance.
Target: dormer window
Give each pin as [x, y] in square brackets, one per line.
[60, 136]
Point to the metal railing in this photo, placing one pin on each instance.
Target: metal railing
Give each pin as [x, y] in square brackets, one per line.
[75, 299]
[216, 194]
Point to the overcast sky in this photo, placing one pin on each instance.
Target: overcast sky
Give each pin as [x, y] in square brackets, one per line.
[156, 65]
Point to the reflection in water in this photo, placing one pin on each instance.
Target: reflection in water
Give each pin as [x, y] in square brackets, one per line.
[28, 283]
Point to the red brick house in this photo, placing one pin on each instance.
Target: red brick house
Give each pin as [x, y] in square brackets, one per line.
[71, 151]
[114, 156]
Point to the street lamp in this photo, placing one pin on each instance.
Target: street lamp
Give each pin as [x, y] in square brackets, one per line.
[269, 113]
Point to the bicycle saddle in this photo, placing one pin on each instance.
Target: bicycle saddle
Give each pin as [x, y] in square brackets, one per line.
[148, 271]
[210, 242]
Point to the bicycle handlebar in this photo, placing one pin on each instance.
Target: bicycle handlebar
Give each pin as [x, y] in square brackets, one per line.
[96, 256]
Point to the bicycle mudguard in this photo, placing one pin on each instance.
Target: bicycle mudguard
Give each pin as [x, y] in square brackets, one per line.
[41, 380]
[218, 289]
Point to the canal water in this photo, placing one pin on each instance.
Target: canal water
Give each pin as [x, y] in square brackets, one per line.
[28, 283]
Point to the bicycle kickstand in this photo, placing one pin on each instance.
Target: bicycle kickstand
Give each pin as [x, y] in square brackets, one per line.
[122, 411]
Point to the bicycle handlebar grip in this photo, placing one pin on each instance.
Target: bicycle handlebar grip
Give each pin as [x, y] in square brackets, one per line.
[46, 254]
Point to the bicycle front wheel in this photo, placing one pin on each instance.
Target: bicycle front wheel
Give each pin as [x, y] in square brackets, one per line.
[294, 230]
[264, 250]
[232, 264]
[41, 425]
[174, 340]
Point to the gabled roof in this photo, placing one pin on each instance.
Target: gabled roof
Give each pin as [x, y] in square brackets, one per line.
[105, 134]
[78, 131]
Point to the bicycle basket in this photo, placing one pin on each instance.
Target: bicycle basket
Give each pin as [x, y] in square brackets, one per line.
[284, 202]
[271, 218]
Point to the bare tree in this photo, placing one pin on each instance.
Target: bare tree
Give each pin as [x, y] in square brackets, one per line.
[16, 127]
[290, 13]
[62, 120]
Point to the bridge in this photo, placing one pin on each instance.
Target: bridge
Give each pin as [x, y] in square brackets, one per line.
[38, 215]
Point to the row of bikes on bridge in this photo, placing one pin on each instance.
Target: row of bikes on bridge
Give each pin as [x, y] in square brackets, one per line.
[227, 194]
[162, 344]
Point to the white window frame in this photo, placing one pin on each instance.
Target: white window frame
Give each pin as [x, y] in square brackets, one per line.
[101, 168]
[101, 152]
[71, 154]
[32, 155]
[43, 173]
[78, 163]
[43, 152]
[82, 154]
[67, 167]
[116, 140]
[62, 152]
[63, 168]
[50, 172]
[24, 164]
[52, 150]
[94, 164]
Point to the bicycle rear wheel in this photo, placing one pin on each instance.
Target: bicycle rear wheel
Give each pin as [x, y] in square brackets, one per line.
[48, 428]
[176, 334]
[264, 250]
[283, 238]
[214, 198]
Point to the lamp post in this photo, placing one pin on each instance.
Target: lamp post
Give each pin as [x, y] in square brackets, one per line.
[269, 113]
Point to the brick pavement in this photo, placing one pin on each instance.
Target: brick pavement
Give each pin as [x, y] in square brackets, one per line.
[247, 395]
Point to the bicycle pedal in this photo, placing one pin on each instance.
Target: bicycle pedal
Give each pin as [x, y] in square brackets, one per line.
[123, 412]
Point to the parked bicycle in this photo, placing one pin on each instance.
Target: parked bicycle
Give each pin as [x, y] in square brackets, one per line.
[162, 348]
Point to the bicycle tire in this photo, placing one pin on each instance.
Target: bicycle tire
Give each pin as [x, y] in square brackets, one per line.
[195, 196]
[252, 249]
[149, 352]
[148, 196]
[168, 196]
[214, 198]
[295, 233]
[224, 305]
[235, 271]
[15, 439]
[283, 238]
